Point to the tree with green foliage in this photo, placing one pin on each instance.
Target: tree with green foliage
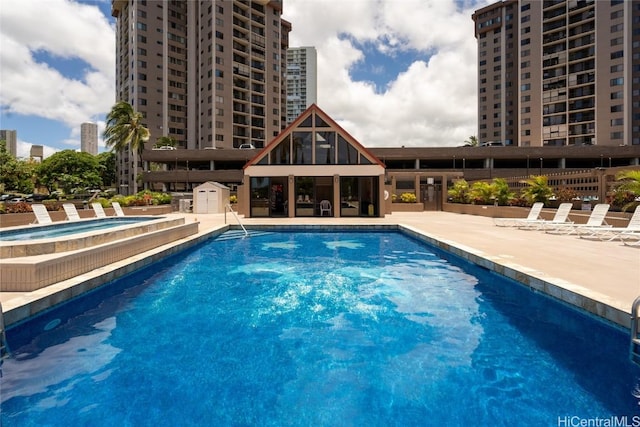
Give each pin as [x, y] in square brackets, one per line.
[124, 129]
[166, 141]
[537, 190]
[69, 169]
[627, 188]
[107, 161]
[472, 141]
[15, 175]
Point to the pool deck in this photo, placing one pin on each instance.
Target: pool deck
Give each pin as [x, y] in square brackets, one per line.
[602, 277]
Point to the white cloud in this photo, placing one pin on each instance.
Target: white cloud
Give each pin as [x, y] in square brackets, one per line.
[431, 103]
[61, 29]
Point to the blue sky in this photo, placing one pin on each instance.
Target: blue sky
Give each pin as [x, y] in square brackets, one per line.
[391, 72]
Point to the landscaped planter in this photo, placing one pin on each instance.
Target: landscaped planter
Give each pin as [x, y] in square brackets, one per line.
[407, 207]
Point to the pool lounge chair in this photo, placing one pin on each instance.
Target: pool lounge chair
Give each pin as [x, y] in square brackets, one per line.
[596, 219]
[97, 208]
[71, 211]
[630, 238]
[117, 208]
[561, 217]
[607, 233]
[41, 213]
[534, 215]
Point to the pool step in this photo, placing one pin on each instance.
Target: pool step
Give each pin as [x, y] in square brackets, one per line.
[240, 234]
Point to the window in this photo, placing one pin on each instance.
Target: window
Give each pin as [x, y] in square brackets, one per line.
[616, 82]
[617, 122]
[617, 54]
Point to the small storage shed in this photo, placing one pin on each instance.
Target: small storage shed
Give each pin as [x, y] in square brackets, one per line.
[210, 197]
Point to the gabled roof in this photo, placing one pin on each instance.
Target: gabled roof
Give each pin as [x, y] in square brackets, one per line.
[305, 118]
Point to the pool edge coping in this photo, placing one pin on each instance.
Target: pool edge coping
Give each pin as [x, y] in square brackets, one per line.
[20, 309]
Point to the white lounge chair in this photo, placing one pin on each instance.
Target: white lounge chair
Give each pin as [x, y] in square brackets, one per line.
[97, 208]
[596, 219]
[630, 238]
[41, 213]
[325, 206]
[71, 211]
[117, 208]
[607, 233]
[534, 215]
[560, 217]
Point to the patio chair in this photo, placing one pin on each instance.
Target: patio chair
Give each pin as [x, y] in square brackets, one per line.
[560, 217]
[41, 213]
[97, 208]
[325, 206]
[534, 215]
[596, 219]
[607, 233]
[71, 211]
[117, 208]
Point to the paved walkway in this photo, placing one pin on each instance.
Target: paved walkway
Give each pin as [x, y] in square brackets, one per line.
[604, 272]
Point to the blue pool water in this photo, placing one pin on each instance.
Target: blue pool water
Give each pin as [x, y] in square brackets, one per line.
[60, 229]
[322, 329]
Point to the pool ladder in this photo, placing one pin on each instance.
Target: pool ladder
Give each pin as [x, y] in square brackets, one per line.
[4, 348]
[635, 331]
[230, 209]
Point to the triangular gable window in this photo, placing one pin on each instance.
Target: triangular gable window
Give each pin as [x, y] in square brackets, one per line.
[306, 123]
[315, 140]
[321, 123]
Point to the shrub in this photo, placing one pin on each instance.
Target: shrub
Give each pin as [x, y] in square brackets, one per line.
[458, 193]
[408, 198]
[565, 194]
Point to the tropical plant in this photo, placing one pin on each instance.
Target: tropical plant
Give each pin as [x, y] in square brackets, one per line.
[537, 190]
[408, 198]
[124, 129]
[472, 141]
[501, 191]
[481, 193]
[459, 191]
[627, 190]
[565, 194]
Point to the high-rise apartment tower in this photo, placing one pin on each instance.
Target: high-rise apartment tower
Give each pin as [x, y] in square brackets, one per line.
[89, 138]
[559, 72]
[11, 138]
[302, 82]
[210, 74]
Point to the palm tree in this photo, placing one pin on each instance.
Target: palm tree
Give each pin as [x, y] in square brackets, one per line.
[124, 129]
[626, 193]
[538, 190]
[471, 142]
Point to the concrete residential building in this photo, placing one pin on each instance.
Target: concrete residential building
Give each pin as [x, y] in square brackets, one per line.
[11, 138]
[208, 74]
[89, 138]
[540, 82]
[302, 80]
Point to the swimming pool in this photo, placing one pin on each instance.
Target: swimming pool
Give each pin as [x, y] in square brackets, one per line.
[59, 229]
[315, 329]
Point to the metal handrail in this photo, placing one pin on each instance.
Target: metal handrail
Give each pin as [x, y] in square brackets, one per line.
[230, 208]
[635, 330]
[4, 348]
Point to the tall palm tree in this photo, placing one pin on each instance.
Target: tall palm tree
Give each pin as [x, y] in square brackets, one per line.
[124, 129]
[630, 181]
[471, 142]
